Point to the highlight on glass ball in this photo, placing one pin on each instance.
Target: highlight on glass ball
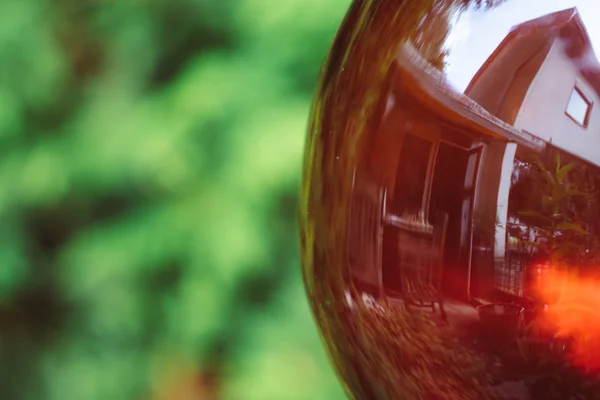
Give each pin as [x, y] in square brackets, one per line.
[450, 213]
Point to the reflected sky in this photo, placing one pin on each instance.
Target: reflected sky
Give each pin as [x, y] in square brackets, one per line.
[478, 33]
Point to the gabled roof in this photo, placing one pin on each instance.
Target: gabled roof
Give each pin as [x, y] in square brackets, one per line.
[553, 20]
[565, 24]
[433, 85]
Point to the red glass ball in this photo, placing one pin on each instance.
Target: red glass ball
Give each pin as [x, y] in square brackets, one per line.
[450, 213]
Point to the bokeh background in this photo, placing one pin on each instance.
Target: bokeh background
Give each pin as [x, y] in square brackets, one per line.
[150, 156]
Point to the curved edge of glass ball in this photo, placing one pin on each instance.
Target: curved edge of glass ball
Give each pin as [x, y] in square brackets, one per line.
[448, 236]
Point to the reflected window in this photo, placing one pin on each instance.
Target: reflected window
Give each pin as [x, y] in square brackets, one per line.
[579, 107]
[412, 174]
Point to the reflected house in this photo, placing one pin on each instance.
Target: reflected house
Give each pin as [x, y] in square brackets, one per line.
[436, 152]
[544, 80]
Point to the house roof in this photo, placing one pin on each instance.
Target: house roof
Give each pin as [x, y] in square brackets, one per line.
[565, 24]
[555, 19]
[434, 85]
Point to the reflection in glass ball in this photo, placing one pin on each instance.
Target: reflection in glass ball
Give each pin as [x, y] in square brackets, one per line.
[450, 214]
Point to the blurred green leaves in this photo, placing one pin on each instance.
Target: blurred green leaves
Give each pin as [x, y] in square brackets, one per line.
[150, 155]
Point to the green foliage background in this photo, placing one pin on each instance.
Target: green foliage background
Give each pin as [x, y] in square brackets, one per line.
[150, 154]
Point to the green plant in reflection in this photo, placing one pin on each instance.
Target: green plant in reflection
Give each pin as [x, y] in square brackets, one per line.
[562, 200]
[560, 220]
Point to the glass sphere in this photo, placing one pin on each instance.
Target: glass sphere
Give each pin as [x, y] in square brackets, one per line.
[450, 212]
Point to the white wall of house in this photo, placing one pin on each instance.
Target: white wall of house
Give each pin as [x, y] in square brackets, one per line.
[543, 110]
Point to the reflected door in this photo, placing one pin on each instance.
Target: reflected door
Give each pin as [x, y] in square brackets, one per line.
[452, 192]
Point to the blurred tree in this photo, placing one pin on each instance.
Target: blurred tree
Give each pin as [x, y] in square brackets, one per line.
[432, 33]
[150, 156]
[434, 27]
